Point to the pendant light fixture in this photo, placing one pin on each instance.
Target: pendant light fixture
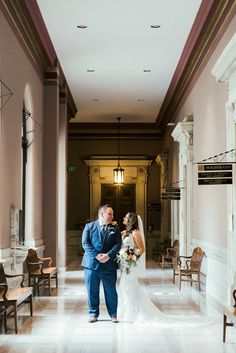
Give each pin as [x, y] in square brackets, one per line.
[118, 172]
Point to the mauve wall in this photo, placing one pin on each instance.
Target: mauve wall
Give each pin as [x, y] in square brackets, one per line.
[207, 104]
[16, 72]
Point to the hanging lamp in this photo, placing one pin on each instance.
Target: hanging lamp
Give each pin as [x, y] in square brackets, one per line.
[118, 172]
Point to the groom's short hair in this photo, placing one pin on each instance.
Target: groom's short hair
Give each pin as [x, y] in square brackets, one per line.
[103, 208]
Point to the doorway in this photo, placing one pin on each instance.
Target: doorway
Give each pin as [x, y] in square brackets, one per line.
[120, 197]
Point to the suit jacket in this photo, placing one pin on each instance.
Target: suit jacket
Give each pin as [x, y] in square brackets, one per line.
[93, 245]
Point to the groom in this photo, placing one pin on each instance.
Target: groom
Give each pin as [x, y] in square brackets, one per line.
[101, 240]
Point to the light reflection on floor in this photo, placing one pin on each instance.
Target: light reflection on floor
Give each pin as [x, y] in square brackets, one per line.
[59, 324]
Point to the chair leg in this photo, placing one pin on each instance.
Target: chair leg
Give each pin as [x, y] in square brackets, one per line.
[199, 286]
[56, 281]
[173, 276]
[5, 322]
[224, 327]
[180, 280]
[37, 287]
[49, 284]
[15, 318]
[31, 305]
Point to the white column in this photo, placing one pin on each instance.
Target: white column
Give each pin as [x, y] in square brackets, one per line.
[183, 133]
[225, 71]
[62, 181]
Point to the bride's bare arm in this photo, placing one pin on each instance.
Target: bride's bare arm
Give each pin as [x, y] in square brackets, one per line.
[138, 241]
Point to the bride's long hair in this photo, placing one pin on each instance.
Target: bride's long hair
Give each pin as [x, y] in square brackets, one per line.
[132, 223]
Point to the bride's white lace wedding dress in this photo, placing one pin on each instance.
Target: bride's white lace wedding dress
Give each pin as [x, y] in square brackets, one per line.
[134, 305]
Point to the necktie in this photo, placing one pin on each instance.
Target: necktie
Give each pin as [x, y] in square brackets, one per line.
[103, 231]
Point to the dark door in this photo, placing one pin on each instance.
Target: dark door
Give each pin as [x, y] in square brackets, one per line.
[121, 198]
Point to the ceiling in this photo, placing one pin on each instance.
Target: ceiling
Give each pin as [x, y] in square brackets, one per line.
[119, 44]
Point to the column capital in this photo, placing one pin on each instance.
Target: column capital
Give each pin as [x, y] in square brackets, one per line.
[183, 132]
[225, 66]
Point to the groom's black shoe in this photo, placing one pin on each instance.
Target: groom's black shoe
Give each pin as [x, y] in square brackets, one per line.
[92, 319]
[114, 320]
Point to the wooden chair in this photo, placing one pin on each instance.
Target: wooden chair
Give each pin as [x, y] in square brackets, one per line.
[12, 298]
[190, 271]
[3, 305]
[229, 313]
[159, 248]
[171, 255]
[40, 271]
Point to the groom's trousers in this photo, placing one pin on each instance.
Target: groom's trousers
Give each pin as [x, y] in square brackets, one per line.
[93, 278]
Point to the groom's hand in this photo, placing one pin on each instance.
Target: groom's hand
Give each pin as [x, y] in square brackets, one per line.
[98, 257]
[103, 258]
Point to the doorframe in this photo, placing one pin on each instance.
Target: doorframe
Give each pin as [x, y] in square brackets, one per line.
[136, 172]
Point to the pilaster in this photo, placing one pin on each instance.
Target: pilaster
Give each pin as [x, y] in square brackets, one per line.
[225, 71]
[162, 161]
[183, 133]
[50, 162]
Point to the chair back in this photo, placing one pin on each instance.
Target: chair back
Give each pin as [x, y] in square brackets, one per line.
[176, 247]
[196, 259]
[3, 279]
[31, 260]
[173, 251]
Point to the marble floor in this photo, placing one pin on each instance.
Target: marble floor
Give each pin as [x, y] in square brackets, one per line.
[59, 323]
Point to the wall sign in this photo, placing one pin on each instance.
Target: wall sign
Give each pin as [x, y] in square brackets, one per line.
[170, 194]
[215, 174]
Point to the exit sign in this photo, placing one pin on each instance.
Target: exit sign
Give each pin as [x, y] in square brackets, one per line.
[71, 168]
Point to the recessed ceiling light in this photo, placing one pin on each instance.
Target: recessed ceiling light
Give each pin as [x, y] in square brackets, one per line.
[140, 100]
[90, 70]
[155, 26]
[146, 70]
[82, 26]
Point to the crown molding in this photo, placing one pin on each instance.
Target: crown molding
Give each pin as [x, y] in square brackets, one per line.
[25, 19]
[213, 18]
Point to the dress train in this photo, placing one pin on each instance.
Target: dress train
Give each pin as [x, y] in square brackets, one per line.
[135, 306]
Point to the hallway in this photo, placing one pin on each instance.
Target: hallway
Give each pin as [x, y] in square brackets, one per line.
[59, 324]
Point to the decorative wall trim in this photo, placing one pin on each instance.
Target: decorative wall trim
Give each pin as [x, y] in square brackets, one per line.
[210, 24]
[26, 22]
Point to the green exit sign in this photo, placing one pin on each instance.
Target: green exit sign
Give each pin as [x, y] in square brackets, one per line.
[71, 168]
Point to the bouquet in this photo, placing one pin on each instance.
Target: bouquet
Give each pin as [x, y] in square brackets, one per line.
[128, 257]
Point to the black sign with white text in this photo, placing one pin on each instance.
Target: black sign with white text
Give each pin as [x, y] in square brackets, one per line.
[215, 174]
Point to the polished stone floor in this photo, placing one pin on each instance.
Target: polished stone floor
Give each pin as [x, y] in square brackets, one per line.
[59, 323]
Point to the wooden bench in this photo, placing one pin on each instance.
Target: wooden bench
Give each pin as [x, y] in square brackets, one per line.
[229, 313]
[40, 271]
[12, 298]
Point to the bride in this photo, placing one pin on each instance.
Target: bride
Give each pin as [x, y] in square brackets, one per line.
[134, 305]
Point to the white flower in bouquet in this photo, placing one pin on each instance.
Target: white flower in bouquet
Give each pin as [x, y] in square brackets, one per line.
[128, 257]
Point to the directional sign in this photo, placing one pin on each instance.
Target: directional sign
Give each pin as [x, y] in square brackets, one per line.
[170, 194]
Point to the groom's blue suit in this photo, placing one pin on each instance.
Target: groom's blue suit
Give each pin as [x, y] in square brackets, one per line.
[93, 244]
